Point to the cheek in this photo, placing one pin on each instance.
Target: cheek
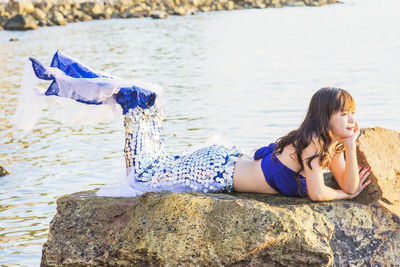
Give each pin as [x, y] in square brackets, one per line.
[336, 124]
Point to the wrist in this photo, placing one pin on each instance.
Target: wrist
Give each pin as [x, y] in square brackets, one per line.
[347, 196]
[348, 145]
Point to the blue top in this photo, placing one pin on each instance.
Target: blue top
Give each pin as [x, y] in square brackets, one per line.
[277, 175]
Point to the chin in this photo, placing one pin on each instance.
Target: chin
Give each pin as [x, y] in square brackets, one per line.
[348, 134]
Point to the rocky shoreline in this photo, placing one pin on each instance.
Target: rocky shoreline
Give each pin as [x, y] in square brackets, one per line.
[29, 15]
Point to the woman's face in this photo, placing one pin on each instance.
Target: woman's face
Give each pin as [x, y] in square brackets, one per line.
[342, 124]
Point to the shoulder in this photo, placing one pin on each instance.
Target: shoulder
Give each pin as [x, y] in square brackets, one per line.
[313, 148]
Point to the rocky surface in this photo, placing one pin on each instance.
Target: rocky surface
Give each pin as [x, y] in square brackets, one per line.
[3, 171]
[169, 229]
[379, 148]
[26, 14]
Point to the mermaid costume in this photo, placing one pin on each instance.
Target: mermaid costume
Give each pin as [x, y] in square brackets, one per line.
[149, 167]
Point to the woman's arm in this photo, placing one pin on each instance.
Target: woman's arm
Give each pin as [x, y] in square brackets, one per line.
[346, 171]
[317, 190]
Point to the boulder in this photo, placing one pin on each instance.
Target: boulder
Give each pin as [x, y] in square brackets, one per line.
[379, 148]
[137, 11]
[19, 7]
[229, 5]
[180, 10]
[3, 171]
[205, 9]
[158, 14]
[27, 6]
[57, 18]
[170, 229]
[169, 3]
[2, 11]
[108, 11]
[79, 15]
[44, 5]
[39, 15]
[3, 21]
[97, 10]
[21, 23]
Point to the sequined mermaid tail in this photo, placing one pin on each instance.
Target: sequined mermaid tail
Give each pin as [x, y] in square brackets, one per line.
[143, 142]
[209, 169]
[150, 168]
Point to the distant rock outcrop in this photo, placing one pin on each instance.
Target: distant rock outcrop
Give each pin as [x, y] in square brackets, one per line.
[3, 171]
[170, 229]
[28, 14]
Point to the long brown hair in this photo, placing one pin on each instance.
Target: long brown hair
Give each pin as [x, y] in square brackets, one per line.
[316, 127]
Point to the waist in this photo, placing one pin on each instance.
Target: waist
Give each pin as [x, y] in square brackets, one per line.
[248, 177]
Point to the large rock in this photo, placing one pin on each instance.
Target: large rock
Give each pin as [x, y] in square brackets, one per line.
[20, 22]
[379, 148]
[170, 229]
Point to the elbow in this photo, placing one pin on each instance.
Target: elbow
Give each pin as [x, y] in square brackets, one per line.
[316, 196]
[350, 190]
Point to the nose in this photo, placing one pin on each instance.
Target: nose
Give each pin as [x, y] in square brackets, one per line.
[351, 118]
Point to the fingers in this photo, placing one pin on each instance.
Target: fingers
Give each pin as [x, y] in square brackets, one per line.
[364, 185]
[356, 127]
[364, 173]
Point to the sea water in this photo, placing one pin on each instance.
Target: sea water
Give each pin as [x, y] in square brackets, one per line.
[241, 77]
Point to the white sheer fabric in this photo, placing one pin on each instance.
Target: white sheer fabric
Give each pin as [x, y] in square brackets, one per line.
[32, 100]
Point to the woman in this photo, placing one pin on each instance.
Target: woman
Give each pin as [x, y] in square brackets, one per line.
[292, 166]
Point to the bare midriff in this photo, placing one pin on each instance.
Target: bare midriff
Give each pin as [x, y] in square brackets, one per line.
[249, 177]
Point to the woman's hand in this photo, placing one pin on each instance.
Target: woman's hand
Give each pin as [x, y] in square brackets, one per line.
[351, 140]
[363, 183]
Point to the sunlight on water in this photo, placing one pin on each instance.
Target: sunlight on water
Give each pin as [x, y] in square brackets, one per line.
[243, 77]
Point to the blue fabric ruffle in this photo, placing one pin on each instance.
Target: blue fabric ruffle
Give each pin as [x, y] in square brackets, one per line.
[131, 97]
[263, 151]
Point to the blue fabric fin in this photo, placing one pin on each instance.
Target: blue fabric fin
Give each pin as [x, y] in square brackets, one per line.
[53, 89]
[40, 70]
[73, 68]
[73, 80]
